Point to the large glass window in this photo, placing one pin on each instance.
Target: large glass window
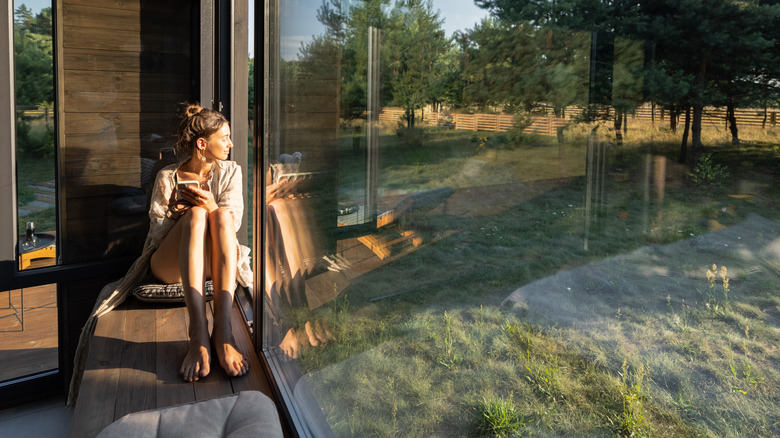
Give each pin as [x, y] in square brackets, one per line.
[29, 327]
[35, 133]
[542, 218]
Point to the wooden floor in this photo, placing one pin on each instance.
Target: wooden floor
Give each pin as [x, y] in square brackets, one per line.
[133, 366]
[32, 349]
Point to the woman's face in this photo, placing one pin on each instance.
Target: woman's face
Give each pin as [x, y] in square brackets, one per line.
[218, 144]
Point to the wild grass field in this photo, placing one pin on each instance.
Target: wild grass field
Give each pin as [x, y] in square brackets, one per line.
[655, 335]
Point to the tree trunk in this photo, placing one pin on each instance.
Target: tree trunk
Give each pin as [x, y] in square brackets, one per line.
[652, 113]
[696, 145]
[763, 121]
[673, 117]
[618, 130]
[686, 129]
[732, 121]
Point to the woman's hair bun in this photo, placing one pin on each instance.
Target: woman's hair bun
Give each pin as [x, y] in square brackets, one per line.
[191, 110]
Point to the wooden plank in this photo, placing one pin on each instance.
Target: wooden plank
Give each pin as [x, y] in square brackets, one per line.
[99, 17]
[108, 82]
[149, 146]
[172, 346]
[79, 101]
[121, 40]
[95, 406]
[134, 5]
[118, 123]
[137, 377]
[101, 60]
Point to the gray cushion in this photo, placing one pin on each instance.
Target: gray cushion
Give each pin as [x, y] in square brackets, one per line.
[247, 414]
[167, 293]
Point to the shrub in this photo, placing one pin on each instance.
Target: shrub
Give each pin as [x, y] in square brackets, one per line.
[412, 137]
[35, 143]
[498, 418]
[706, 172]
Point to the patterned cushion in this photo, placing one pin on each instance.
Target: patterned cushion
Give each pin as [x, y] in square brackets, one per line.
[167, 293]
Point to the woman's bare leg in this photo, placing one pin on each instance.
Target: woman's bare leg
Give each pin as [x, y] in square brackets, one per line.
[224, 253]
[183, 256]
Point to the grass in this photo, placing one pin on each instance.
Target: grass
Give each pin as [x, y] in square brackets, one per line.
[34, 170]
[420, 363]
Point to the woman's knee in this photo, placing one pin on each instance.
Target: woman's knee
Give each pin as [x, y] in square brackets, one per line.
[221, 218]
[196, 216]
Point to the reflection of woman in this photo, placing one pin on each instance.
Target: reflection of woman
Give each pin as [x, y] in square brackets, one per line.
[293, 250]
[191, 237]
[199, 242]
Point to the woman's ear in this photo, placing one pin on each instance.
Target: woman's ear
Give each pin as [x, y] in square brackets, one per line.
[201, 143]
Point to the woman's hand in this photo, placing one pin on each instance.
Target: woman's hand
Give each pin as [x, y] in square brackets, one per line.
[198, 197]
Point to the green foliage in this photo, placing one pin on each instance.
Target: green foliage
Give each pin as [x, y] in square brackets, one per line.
[38, 143]
[516, 136]
[447, 355]
[412, 137]
[707, 172]
[34, 76]
[717, 307]
[632, 420]
[499, 418]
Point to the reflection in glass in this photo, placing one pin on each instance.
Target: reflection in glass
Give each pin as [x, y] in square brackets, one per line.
[28, 331]
[35, 155]
[576, 222]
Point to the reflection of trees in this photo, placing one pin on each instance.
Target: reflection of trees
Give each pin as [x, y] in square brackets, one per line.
[33, 57]
[34, 79]
[698, 53]
[414, 54]
[521, 68]
[682, 56]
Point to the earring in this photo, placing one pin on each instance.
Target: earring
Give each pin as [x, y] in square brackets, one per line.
[202, 155]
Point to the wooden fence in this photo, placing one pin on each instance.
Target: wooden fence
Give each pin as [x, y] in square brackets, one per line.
[548, 125]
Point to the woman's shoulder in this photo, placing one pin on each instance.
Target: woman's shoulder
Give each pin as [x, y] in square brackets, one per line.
[170, 168]
[167, 172]
[228, 167]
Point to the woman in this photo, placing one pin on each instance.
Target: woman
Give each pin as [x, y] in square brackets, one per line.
[199, 243]
[191, 237]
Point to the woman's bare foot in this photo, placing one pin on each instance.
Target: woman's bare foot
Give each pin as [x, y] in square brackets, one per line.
[231, 360]
[196, 363]
[313, 339]
[290, 344]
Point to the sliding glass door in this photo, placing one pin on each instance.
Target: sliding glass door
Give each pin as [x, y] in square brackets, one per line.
[548, 219]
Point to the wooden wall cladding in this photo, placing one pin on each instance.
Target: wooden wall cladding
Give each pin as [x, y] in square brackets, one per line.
[124, 65]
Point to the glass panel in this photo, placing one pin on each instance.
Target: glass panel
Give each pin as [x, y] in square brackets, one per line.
[28, 331]
[35, 138]
[251, 124]
[553, 219]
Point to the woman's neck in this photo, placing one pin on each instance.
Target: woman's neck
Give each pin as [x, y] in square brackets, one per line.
[200, 168]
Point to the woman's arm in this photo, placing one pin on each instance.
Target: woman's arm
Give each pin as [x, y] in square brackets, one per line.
[231, 196]
[160, 215]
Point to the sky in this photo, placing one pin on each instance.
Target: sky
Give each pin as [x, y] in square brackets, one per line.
[302, 24]
[457, 15]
